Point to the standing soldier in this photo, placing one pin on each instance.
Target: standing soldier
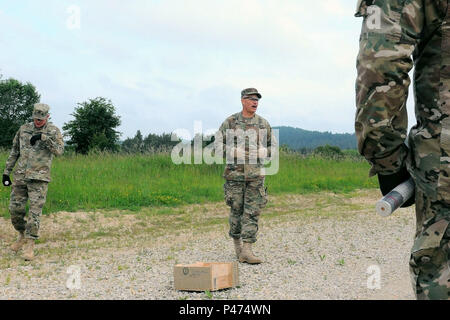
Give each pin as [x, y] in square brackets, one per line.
[33, 149]
[244, 187]
[397, 34]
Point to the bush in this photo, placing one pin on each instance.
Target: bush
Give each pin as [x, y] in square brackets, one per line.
[93, 127]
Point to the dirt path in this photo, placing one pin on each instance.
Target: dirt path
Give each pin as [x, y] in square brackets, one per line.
[321, 246]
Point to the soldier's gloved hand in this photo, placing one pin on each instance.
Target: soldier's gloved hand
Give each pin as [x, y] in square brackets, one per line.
[35, 138]
[389, 182]
[239, 153]
[6, 180]
[262, 153]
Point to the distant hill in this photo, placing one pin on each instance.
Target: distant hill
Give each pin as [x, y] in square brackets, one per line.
[297, 138]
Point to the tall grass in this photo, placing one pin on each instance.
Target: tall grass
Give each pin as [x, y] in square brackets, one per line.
[114, 181]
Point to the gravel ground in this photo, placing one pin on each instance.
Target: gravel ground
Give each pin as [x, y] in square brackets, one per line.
[314, 254]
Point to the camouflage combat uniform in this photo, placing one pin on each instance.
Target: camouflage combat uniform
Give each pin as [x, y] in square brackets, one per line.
[32, 174]
[244, 188]
[397, 35]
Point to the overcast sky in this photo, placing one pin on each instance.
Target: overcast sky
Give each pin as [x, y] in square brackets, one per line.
[167, 63]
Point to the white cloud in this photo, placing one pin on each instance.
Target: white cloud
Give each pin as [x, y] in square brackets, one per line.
[185, 56]
[335, 7]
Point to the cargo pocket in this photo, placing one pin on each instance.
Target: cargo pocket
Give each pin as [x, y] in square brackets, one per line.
[427, 253]
[379, 21]
[233, 193]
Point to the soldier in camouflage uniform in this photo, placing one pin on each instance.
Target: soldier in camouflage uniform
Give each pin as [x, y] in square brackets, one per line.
[397, 35]
[246, 138]
[32, 152]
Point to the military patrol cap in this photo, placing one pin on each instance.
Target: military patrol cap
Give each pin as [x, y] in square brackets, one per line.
[250, 91]
[40, 111]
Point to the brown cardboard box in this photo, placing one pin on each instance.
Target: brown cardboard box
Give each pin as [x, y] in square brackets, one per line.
[202, 276]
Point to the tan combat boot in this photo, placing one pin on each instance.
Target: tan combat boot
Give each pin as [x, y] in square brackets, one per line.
[16, 246]
[237, 247]
[247, 254]
[28, 250]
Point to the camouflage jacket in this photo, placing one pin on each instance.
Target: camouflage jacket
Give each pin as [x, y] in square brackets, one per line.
[34, 162]
[397, 35]
[262, 138]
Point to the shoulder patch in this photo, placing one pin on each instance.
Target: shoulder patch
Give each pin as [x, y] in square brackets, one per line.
[232, 120]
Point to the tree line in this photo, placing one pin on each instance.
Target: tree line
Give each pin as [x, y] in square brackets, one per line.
[304, 140]
[94, 128]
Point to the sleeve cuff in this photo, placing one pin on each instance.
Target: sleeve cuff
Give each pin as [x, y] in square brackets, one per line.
[391, 164]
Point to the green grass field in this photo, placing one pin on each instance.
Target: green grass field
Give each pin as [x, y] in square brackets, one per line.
[108, 181]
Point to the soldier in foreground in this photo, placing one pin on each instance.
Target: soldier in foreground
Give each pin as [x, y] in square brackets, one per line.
[33, 149]
[394, 34]
[244, 187]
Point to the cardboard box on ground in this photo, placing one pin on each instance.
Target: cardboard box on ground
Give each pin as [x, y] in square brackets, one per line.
[202, 276]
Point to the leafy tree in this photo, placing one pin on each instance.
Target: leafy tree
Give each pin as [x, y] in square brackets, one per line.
[152, 143]
[329, 151]
[16, 106]
[163, 142]
[285, 148]
[134, 145]
[93, 126]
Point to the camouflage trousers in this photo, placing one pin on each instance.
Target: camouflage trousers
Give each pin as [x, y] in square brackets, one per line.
[246, 199]
[430, 256]
[36, 192]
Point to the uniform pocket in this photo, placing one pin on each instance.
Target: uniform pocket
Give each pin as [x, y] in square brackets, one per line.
[427, 252]
[381, 20]
[231, 189]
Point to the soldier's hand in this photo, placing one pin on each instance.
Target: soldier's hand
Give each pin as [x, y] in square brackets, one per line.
[6, 180]
[35, 138]
[262, 153]
[239, 153]
[389, 182]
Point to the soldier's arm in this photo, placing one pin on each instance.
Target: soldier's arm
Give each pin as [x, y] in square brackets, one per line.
[54, 141]
[271, 141]
[14, 154]
[221, 142]
[389, 36]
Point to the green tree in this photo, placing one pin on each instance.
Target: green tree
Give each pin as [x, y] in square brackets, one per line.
[16, 106]
[153, 143]
[285, 148]
[162, 142]
[93, 126]
[134, 145]
[329, 151]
